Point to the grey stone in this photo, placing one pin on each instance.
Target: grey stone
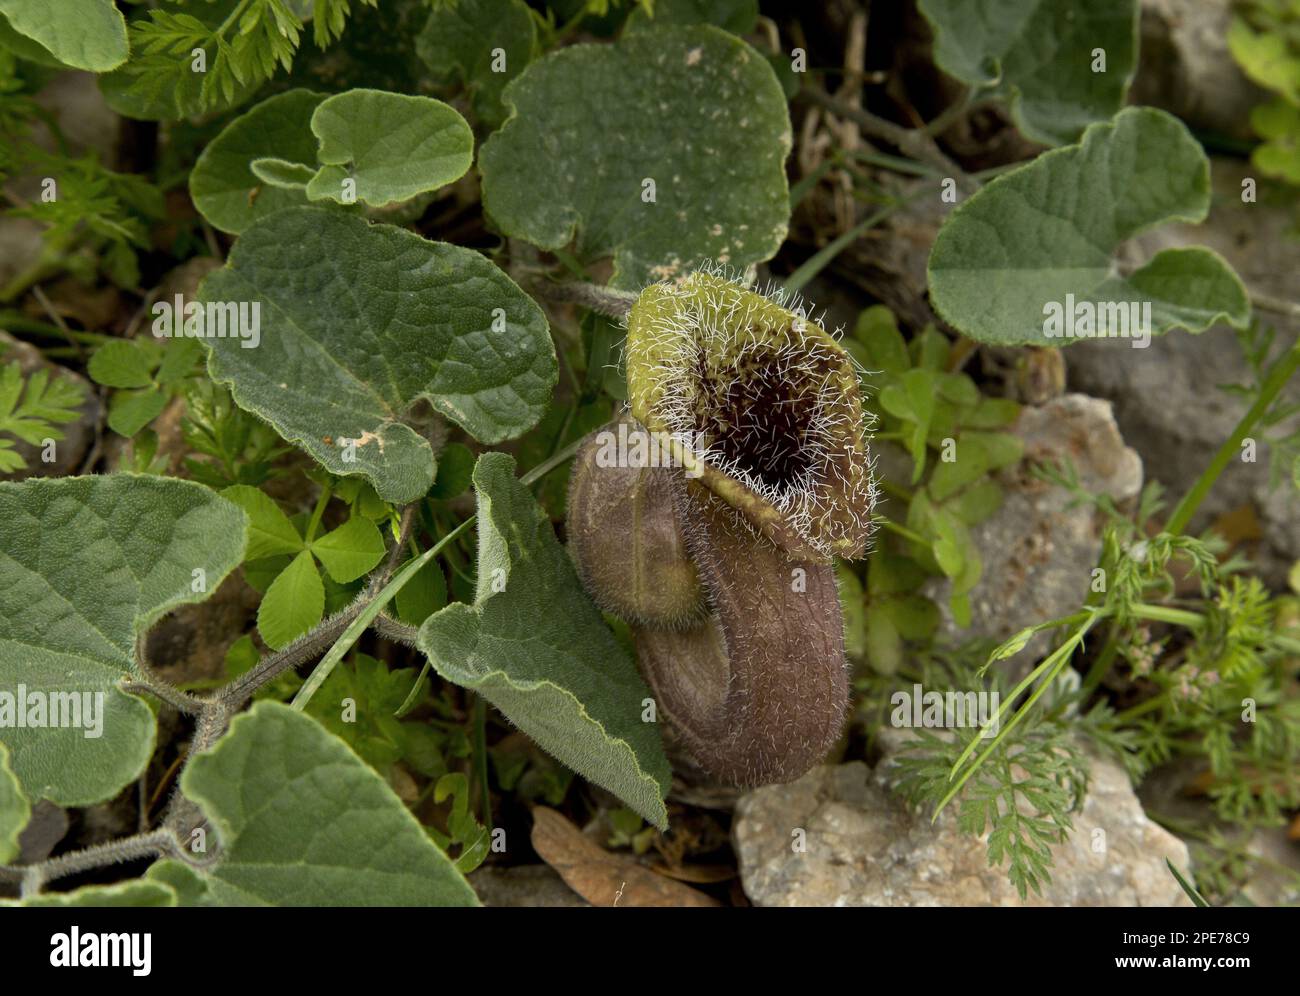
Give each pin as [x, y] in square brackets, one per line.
[1038, 552]
[1186, 67]
[867, 847]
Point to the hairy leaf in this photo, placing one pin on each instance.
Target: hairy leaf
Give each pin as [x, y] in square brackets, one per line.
[1042, 55]
[535, 647]
[135, 892]
[392, 147]
[302, 821]
[693, 110]
[483, 44]
[1005, 259]
[362, 326]
[15, 810]
[86, 564]
[83, 34]
[223, 184]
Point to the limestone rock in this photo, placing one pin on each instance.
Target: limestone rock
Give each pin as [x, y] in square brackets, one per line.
[865, 846]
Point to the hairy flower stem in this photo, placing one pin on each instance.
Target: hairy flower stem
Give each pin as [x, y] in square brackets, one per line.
[1274, 381]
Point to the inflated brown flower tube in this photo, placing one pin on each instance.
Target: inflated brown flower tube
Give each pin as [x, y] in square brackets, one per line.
[758, 694]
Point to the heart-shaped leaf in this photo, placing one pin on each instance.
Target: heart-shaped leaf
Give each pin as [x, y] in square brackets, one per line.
[535, 647]
[389, 145]
[1005, 261]
[363, 324]
[679, 160]
[223, 184]
[1062, 65]
[86, 564]
[302, 821]
[83, 34]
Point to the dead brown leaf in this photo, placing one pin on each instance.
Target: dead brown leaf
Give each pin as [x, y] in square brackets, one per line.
[602, 878]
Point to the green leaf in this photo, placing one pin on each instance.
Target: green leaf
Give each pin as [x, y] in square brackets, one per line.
[137, 892]
[223, 185]
[886, 349]
[915, 616]
[392, 145]
[535, 647]
[977, 453]
[15, 809]
[270, 532]
[1278, 122]
[461, 42]
[1267, 58]
[1040, 56]
[911, 398]
[131, 411]
[339, 372]
[121, 363]
[83, 34]
[351, 550]
[884, 643]
[293, 604]
[302, 821]
[695, 110]
[87, 564]
[1005, 259]
[179, 361]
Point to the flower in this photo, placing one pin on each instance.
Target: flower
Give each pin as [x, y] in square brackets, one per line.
[769, 478]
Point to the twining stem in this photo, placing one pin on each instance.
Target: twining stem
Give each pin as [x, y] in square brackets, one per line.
[1274, 381]
[157, 843]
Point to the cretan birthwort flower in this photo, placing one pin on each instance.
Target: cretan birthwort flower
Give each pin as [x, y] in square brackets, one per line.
[721, 557]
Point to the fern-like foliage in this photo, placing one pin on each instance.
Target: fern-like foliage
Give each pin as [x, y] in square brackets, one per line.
[31, 409]
[209, 57]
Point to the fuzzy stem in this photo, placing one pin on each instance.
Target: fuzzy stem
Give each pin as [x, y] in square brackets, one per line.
[602, 300]
[153, 844]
